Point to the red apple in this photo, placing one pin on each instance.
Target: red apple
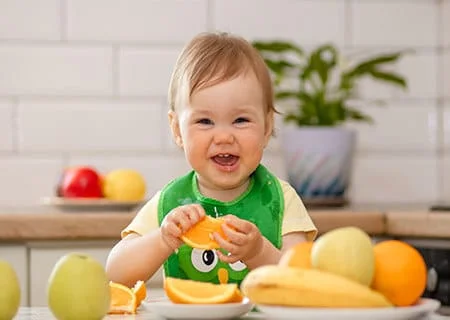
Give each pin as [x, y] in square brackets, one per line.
[80, 182]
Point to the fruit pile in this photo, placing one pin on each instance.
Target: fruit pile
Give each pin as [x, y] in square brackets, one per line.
[341, 269]
[87, 182]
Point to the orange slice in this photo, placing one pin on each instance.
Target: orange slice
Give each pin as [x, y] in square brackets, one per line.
[196, 292]
[123, 299]
[200, 235]
[140, 292]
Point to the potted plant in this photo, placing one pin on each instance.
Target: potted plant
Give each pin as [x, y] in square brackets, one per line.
[320, 96]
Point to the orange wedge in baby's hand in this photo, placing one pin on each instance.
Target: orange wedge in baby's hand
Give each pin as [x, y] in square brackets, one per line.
[197, 292]
[200, 235]
[125, 300]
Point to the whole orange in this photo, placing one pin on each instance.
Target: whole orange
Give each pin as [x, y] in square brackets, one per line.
[298, 256]
[400, 272]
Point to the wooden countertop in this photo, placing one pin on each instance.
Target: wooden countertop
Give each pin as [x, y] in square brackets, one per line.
[17, 227]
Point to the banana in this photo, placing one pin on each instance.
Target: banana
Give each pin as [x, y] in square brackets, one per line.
[289, 286]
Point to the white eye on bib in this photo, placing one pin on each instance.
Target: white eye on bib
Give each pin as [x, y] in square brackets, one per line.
[204, 260]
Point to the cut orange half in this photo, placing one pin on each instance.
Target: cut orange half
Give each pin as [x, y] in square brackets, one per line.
[140, 291]
[200, 235]
[123, 299]
[196, 292]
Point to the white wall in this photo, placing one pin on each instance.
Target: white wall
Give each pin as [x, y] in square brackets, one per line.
[84, 82]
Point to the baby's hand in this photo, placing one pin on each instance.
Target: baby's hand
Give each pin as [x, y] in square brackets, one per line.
[178, 221]
[244, 240]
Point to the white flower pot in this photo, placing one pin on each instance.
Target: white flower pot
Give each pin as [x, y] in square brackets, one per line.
[318, 160]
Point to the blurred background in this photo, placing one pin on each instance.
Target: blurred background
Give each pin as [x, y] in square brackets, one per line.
[85, 82]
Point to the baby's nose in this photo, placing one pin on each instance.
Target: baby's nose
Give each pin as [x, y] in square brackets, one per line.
[223, 136]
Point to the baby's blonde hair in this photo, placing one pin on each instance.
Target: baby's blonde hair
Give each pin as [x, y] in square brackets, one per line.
[211, 58]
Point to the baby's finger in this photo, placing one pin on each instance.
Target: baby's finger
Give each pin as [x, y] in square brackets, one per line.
[173, 230]
[235, 222]
[234, 236]
[196, 213]
[224, 244]
[183, 221]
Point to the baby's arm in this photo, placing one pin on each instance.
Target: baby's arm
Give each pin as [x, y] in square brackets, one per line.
[137, 257]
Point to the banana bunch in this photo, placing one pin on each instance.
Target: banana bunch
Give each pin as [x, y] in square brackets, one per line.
[289, 286]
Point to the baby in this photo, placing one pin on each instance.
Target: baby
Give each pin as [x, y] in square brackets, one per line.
[222, 116]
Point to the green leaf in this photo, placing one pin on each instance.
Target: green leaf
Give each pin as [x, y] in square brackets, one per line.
[358, 115]
[281, 95]
[278, 66]
[277, 47]
[389, 77]
[366, 66]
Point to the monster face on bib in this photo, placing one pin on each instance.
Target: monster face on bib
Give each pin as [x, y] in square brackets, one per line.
[204, 265]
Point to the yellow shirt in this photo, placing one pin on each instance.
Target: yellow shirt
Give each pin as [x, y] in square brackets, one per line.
[295, 219]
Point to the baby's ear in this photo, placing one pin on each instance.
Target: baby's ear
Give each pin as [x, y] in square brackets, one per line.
[269, 127]
[175, 128]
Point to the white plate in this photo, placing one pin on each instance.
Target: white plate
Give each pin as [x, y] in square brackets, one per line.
[91, 204]
[169, 310]
[422, 310]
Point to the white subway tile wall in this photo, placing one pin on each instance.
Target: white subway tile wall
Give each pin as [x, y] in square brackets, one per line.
[378, 23]
[446, 122]
[25, 179]
[85, 82]
[400, 126]
[387, 178]
[6, 126]
[304, 21]
[55, 69]
[142, 21]
[145, 72]
[445, 21]
[89, 125]
[25, 20]
[445, 75]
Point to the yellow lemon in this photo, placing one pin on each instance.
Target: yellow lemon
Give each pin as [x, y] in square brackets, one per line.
[124, 185]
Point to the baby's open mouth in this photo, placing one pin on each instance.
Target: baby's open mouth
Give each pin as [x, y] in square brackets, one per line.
[225, 159]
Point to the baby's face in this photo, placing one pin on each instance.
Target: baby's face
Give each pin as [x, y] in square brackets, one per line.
[224, 130]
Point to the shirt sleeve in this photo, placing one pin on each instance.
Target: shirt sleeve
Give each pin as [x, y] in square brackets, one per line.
[146, 219]
[296, 218]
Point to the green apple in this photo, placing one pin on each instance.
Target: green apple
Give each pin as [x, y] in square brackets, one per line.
[9, 291]
[78, 288]
[346, 251]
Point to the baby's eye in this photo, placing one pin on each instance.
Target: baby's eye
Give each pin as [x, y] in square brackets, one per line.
[204, 121]
[241, 120]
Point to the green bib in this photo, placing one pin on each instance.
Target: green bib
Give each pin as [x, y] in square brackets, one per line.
[262, 204]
